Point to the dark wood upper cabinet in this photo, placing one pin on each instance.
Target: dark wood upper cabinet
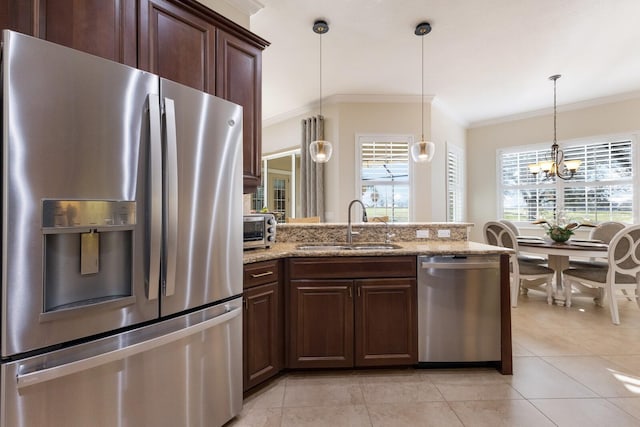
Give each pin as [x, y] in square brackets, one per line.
[177, 44]
[181, 40]
[239, 71]
[106, 28]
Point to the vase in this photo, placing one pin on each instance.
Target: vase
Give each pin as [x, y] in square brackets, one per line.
[559, 234]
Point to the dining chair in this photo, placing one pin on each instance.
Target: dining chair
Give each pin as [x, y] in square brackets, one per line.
[522, 257]
[603, 232]
[303, 220]
[524, 275]
[622, 272]
[511, 226]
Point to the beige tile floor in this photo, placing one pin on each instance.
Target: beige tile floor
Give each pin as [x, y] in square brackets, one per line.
[572, 367]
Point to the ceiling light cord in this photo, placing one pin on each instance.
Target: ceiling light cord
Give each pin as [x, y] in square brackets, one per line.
[422, 93]
[320, 74]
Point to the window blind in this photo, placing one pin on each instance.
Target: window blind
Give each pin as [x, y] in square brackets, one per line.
[601, 190]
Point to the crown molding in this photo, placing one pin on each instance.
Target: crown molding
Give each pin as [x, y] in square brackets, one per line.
[347, 99]
[549, 110]
[246, 6]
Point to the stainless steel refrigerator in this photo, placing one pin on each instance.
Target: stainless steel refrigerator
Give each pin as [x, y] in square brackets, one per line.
[121, 245]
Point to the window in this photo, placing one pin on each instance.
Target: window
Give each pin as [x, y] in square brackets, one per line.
[281, 173]
[455, 184]
[383, 172]
[601, 190]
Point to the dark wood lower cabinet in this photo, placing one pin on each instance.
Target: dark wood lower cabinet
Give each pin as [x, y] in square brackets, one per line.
[338, 323]
[262, 323]
[321, 324]
[261, 337]
[386, 322]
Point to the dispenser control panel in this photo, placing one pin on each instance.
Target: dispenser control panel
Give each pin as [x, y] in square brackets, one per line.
[87, 213]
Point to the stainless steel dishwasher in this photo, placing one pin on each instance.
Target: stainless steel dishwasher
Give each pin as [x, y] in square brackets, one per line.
[458, 309]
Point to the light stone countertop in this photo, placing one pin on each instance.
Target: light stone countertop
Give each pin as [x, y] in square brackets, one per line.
[288, 250]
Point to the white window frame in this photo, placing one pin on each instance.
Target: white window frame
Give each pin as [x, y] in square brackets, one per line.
[372, 137]
[460, 184]
[560, 184]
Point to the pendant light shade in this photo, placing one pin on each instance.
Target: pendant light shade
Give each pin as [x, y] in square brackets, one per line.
[320, 150]
[422, 151]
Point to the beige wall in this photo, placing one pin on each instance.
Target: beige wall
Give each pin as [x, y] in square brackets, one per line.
[445, 131]
[346, 120]
[482, 142]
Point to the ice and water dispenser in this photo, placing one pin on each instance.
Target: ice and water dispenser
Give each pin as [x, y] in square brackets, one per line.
[88, 253]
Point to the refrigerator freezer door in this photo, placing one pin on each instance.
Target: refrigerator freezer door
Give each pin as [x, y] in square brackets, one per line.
[203, 203]
[185, 371]
[74, 127]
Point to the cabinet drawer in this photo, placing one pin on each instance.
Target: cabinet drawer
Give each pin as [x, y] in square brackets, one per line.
[260, 273]
[352, 267]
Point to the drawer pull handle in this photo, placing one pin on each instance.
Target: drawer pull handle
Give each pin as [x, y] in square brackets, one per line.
[266, 273]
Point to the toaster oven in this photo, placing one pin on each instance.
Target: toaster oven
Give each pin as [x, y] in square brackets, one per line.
[259, 231]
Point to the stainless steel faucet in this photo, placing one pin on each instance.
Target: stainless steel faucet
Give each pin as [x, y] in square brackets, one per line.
[388, 235]
[350, 232]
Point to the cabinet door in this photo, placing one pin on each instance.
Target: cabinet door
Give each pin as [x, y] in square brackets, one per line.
[261, 334]
[177, 43]
[239, 80]
[106, 28]
[386, 322]
[321, 324]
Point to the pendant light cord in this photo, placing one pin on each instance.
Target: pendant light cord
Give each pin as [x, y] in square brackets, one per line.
[422, 95]
[554, 112]
[320, 75]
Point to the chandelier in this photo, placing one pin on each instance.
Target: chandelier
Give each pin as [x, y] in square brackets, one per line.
[555, 165]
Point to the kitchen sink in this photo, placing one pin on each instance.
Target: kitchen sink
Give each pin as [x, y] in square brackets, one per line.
[374, 246]
[347, 247]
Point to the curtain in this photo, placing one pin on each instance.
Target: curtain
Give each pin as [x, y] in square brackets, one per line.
[311, 173]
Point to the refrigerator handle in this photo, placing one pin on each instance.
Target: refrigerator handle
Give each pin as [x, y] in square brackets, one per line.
[154, 188]
[172, 197]
[55, 372]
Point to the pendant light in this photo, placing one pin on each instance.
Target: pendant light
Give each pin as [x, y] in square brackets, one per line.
[422, 151]
[320, 150]
[555, 166]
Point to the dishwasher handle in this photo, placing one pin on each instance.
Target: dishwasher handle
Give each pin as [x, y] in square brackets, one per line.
[464, 265]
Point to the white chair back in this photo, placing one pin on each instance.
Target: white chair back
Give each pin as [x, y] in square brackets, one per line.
[606, 230]
[511, 226]
[624, 253]
[499, 234]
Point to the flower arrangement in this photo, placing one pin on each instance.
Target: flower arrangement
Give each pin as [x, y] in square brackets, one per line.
[558, 233]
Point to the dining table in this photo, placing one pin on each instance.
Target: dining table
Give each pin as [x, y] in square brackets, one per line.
[558, 254]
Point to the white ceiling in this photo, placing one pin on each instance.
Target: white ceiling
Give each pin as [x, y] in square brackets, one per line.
[484, 59]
